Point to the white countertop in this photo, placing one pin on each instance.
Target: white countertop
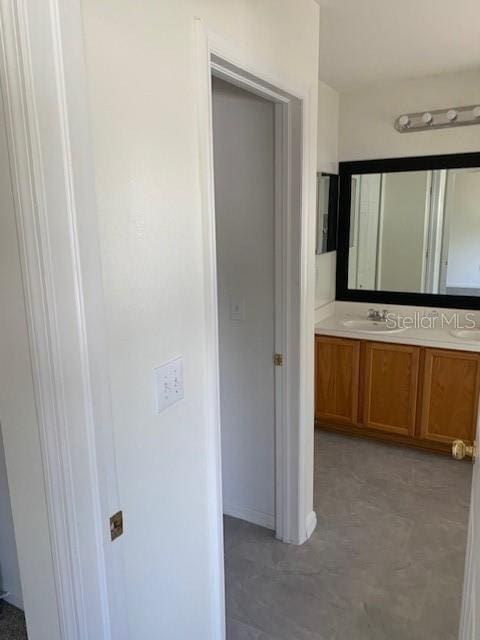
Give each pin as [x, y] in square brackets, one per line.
[437, 337]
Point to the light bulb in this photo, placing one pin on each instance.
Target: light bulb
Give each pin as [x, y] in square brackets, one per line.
[404, 121]
[452, 115]
[476, 112]
[427, 118]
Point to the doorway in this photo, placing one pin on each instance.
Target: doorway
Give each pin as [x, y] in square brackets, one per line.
[294, 519]
[244, 157]
[278, 322]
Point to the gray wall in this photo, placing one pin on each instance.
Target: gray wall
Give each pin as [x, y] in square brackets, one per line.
[244, 199]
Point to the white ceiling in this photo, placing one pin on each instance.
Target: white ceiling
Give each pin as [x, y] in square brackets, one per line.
[365, 41]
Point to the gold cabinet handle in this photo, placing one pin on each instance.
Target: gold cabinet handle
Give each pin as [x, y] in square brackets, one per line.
[461, 450]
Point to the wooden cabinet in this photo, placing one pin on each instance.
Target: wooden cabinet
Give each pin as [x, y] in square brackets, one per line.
[413, 395]
[450, 396]
[391, 387]
[337, 374]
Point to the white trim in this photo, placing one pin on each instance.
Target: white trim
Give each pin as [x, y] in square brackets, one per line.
[311, 523]
[297, 446]
[213, 462]
[435, 230]
[306, 294]
[354, 236]
[426, 226]
[381, 224]
[282, 212]
[447, 213]
[14, 599]
[250, 515]
[238, 80]
[44, 90]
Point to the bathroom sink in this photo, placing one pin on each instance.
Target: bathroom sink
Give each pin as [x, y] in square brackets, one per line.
[466, 334]
[370, 326]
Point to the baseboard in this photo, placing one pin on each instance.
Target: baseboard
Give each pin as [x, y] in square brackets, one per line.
[15, 600]
[310, 524]
[250, 515]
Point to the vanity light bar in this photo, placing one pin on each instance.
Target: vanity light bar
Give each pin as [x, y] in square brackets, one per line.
[440, 119]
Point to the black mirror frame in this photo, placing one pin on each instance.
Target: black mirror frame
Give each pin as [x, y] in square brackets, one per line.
[391, 165]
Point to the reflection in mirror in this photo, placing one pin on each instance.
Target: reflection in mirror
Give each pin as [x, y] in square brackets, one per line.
[416, 231]
[327, 212]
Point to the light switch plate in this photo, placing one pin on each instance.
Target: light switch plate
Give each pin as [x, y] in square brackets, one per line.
[168, 384]
[237, 309]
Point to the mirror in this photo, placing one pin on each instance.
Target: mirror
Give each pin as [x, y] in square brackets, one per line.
[327, 212]
[411, 232]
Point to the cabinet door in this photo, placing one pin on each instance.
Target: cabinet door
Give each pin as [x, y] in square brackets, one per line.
[391, 385]
[337, 363]
[450, 396]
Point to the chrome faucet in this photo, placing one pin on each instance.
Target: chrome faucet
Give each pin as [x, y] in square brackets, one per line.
[378, 316]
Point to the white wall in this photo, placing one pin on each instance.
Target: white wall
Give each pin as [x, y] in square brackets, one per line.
[327, 160]
[243, 128]
[142, 72]
[9, 571]
[367, 117]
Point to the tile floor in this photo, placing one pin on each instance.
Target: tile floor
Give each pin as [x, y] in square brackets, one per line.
[385, 563]
[12, 623]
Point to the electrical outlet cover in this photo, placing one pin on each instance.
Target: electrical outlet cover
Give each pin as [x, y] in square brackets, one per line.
[168, 384]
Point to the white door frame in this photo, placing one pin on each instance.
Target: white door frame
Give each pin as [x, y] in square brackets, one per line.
[44, 93]
[381, 221]
[353, 239]
[295, 518]
[282, 136]
[426, 230]
[435, 230]
[447, 211]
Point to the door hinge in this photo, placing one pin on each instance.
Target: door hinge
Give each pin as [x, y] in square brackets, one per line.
[278, 359]
[116, 525]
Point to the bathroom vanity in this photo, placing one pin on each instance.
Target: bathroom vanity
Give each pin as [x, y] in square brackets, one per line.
[415, 387]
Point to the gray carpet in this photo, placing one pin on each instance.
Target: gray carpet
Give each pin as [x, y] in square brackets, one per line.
[385, 563]
[12, 623]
